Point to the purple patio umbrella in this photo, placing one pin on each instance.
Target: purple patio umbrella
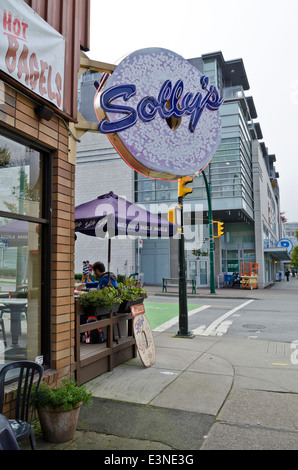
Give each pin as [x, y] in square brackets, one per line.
[109, 215]
[15, 233]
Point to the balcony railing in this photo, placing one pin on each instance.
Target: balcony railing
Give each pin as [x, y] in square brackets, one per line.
[233, 92]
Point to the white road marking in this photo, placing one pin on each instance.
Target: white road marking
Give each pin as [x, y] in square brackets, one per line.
[175, 320]
[211, 329]
[222, 328]
[199, 330]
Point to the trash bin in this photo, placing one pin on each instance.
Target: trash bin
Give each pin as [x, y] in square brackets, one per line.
[278, 276]
[229, 279]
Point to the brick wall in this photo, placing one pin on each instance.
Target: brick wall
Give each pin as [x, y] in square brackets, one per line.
[50, 377]
[63, 315]
[17, 114]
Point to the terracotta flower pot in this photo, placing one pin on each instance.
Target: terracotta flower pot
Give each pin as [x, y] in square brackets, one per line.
[58, 425]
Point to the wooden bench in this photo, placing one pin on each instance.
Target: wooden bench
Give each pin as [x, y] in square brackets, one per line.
[174, 282]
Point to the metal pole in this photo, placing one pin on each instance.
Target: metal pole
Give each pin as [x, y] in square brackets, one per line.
[212, 281]
[183, 314]
[20, 275]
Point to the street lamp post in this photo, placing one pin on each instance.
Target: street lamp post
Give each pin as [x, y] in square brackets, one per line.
[183, 313]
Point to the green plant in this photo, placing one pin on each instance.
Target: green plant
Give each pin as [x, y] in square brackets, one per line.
[65, 397]
[120, 278]
[8, 273]
[131, 289]
[106, 298]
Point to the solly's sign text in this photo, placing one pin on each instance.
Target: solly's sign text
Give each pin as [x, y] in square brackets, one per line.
[170, 102]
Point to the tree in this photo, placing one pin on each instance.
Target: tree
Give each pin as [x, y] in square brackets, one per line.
[4, 156]
[294, 257]
[283, 218]
[22, 191]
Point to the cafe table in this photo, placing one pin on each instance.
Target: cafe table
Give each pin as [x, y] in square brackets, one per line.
[15, 307]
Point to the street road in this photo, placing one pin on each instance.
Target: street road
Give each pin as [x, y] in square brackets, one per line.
[272, 315]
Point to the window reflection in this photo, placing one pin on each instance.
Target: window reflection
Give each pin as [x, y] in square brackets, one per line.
[20, 178]
[19, 290]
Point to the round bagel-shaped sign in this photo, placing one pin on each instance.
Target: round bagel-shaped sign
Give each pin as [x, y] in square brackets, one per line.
[143, 335]
[160, 113]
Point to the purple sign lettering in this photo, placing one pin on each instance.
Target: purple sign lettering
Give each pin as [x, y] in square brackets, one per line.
[170, 102]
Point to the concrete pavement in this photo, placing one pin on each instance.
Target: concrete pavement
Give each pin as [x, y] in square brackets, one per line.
[204, 393]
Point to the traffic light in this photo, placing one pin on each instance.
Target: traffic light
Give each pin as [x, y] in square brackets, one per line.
[172, 215]
[219, 229]
[182, 190]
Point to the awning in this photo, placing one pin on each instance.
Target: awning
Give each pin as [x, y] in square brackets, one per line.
[279, 253]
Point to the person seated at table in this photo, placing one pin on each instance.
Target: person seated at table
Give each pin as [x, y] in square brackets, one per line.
[103, 276]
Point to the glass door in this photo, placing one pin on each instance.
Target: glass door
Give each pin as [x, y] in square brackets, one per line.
[202, 269]
[198, 269]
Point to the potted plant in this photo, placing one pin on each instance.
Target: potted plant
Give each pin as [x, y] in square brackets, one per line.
[100, 301]
[58, 409]
[131, 293]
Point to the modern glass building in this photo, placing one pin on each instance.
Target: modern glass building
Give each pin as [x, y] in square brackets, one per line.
[291, 231]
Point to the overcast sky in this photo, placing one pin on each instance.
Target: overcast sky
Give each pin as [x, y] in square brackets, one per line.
[264, 33]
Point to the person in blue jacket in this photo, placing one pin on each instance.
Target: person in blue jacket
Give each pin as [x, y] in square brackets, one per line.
[101, 274]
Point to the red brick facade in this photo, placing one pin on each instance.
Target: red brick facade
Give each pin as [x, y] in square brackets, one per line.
[17, 115]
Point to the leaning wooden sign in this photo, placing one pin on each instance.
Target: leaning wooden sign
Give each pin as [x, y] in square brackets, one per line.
[143, 335]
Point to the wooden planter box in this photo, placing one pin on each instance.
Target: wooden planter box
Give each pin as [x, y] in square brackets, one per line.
[124, 307]
[93, 360]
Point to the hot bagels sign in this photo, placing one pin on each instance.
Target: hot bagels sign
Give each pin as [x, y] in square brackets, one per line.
[31, 51]
[160, 113]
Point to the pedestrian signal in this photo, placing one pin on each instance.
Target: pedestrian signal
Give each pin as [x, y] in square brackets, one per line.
[182, 190]
[218, 229]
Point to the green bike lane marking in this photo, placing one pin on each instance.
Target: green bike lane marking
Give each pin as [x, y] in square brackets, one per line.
[161, 315]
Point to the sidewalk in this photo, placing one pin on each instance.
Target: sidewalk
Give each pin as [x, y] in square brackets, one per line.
[290, 288]
[203, 393]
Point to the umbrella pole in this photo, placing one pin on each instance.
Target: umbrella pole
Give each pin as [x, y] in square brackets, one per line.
[109, 261]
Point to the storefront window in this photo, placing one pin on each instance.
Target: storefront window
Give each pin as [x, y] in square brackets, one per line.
[20, 296]
[21, 251]
[249, 256]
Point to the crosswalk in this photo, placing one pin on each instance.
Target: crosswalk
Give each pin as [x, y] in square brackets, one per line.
[168, 324]
[216, 328]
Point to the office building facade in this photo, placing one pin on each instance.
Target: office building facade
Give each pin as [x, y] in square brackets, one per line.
[291, 229]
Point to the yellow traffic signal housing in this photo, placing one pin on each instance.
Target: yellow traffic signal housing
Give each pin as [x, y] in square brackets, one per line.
[172, 215]
[182, 190]
[219, 229]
